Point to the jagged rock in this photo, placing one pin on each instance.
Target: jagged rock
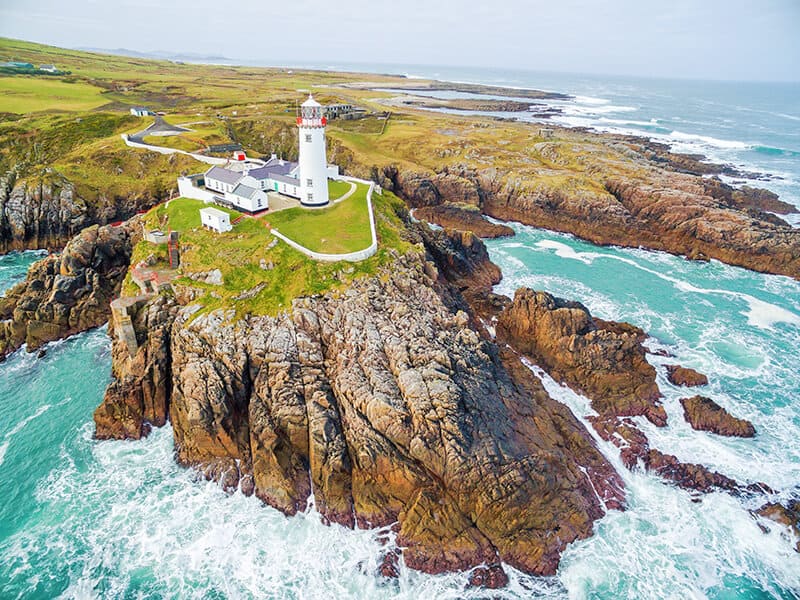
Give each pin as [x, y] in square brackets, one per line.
[388, 566]
[684, 376]
[706, 415]
[137, 397]
[492, 577]
[788, 516]
[604, 360]
[67, 293]
[46, 211]
[454, 217]
[660, 209]
[635, 450]
[39, 214]
[389, 407]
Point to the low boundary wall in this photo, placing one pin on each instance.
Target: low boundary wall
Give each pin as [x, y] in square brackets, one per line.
[211, 160]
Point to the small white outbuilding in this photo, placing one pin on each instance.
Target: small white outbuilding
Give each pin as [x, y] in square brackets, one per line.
[213, 218]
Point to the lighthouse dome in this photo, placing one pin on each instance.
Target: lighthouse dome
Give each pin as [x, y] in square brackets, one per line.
[311, 102]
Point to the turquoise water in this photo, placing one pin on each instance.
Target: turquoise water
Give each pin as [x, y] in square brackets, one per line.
[740, 328]
[87, 519]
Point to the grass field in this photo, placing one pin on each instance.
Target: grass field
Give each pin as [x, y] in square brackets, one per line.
[338, 229]
[337, 189]
[28, 94]
[239, 253]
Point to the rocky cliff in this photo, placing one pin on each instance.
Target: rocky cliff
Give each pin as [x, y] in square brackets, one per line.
[657, 208]
[607, 362]
[69, 292]
[386, 403]
[46, 212]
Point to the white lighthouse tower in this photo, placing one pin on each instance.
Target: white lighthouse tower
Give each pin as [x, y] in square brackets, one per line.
[313, 171]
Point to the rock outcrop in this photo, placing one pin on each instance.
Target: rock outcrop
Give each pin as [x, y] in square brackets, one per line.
[787, 514]
[386, 404]
[685, 377]
[42, 214]
[69, 292]
[659, 209]
[47, 211]
[704, 414]
[454, 217]
[137, 398]
[605, 361]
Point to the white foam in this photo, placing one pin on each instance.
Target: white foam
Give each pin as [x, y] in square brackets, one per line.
[669, 546]
[565, 251]
[591, 100]
[760, 313]
[17, 428]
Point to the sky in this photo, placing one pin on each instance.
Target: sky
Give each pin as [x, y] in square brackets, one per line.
[698, 39]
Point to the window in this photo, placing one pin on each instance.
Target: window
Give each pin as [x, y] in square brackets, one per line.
[310, 196]
[260, 203]
[308, 137]
[309, 183]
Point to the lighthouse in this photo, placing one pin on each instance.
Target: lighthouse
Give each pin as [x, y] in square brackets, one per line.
[313, 163]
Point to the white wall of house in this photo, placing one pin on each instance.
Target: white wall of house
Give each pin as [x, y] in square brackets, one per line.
[259, 184]
[219, 186]
[187, 189]
[287, 189]
[215, 219]
[257, 203]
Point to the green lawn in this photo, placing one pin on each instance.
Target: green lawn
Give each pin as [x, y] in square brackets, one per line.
[337, 189]
[340, 228]
[239, 253]
[28, 94]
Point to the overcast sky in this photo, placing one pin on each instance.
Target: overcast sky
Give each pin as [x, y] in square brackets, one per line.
[709, 39]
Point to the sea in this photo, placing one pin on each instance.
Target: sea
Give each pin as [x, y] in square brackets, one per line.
[86, 519]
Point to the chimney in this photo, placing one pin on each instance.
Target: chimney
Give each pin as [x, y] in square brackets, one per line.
[273, 157]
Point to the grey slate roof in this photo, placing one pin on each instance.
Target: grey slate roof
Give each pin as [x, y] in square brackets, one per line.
[273, 167]
[285, 179]
[223, 175]
[245, 191]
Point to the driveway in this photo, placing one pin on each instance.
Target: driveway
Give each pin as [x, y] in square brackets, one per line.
[158, 127]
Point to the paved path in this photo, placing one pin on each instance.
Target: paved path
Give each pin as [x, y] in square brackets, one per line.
[353, 188]
[158, 127]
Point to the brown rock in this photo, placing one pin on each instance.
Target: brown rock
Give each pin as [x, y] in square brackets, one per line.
[388, 406]
[787, 515]
[704, 414]
[389, 567]
[684, 376]
[649, 206]
[492, 577]
[67, 293]
[454, 217]
[137, 397]
[606, 361]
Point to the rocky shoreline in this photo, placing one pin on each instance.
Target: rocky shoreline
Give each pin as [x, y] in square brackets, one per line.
[431, 420]
[389, 403]
[409, 400]
[678, 212]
